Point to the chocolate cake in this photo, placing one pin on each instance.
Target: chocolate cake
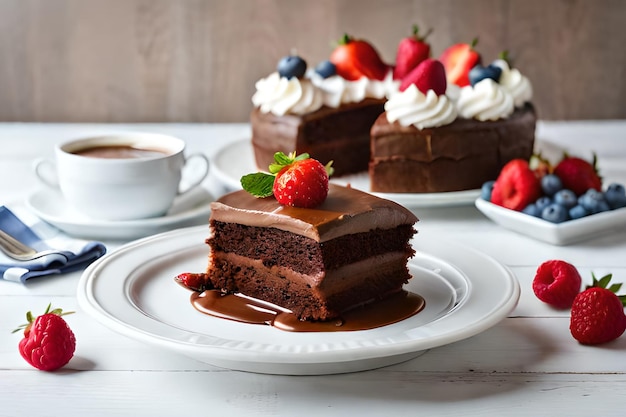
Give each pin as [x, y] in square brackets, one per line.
[341, 135]
[458, 156]
[317, 263]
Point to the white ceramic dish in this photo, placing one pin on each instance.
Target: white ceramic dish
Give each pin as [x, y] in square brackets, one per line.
[565, 233]
[237, 159]
[50, 206]
[132, 291]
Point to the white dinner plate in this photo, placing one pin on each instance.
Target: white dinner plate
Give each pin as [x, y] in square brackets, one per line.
[190, 209]
[236, 159]
[565, 233]
[132, 291]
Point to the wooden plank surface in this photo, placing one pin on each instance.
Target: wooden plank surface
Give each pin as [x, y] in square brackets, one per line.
[197, 60]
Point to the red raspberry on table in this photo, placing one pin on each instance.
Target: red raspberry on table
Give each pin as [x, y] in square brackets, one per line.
[557, 283]
[598, 314]
[516, 186]
[48, 342]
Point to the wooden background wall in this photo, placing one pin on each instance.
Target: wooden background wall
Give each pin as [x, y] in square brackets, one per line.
[197, 60]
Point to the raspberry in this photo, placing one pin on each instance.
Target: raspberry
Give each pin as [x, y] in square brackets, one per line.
[557, 283]
[48, 342]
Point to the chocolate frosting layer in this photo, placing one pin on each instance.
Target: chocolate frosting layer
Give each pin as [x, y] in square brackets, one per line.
[345, 211]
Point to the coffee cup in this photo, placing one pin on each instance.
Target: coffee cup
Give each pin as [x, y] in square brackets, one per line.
[122, 176]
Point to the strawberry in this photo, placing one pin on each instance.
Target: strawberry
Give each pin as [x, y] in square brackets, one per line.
[48, 342]
[578, 175]
[458, 60]
[354, 58]
[428, 75]
[557, 283]
[540, 165]
[597, 313]
[193, 281]
[296, 181]
[411, 51]
[516, 186]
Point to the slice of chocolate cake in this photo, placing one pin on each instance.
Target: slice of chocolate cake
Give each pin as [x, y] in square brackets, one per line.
[318, 263]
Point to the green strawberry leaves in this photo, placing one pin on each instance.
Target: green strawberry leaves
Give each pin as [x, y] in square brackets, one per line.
[604, 283]
[261, 184]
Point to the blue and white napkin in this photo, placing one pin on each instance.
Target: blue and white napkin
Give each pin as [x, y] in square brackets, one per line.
[70, 254]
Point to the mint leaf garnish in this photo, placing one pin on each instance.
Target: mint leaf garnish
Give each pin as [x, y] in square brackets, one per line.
[258, 184]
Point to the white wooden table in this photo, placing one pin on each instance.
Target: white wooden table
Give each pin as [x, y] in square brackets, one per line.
[527, 365]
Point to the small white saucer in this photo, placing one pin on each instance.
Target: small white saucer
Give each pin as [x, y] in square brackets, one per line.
[189, 210]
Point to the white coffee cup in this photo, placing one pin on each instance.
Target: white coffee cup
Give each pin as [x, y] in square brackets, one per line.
[139, 181]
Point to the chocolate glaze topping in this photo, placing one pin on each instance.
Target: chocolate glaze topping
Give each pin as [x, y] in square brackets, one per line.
[345, 211]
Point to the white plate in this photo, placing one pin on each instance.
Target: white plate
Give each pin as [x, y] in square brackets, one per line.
[237, 159]
[132, 291]
[565, 233]
[190, 210]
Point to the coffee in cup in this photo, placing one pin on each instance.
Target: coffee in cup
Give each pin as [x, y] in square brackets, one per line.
[124, 176]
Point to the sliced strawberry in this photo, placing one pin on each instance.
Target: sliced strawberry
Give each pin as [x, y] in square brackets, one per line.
[411, 51]
[458, 60]
[428, 75]
[356, 58]
[516, 186]
[578, 175]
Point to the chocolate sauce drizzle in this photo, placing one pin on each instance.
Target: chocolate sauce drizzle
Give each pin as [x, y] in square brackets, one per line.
[245, 309]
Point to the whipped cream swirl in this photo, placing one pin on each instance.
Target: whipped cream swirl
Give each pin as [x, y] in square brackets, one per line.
[336, 90]
[517, 84]
[280, 95]
[412, 107]
[487, 100]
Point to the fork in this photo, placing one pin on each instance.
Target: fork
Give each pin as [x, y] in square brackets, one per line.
[19, 251]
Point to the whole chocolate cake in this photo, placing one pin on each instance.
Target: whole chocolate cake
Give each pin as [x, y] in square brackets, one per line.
[316, 262]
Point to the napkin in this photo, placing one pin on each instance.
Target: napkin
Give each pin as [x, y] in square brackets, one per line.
[70, 254]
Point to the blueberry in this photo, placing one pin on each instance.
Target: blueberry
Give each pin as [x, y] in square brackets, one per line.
[543, 202]
[577, 212]
[615, 195]
[486, 190]
[532, 210]
[291, 66]
[479, 73]
[593, 201]
[554, 213]
[566, 198]
[326, 69]
[550, 184]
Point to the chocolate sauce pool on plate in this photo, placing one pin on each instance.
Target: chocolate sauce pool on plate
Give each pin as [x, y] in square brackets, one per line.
[244, 309]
